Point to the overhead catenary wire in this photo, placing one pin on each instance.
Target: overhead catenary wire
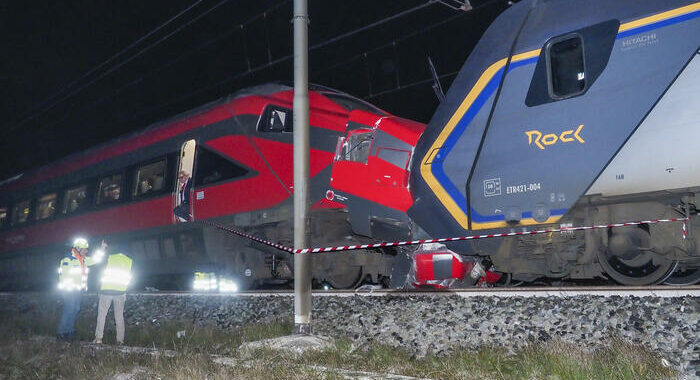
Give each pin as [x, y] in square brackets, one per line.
[343, 36]
[372, 25]
[290, 56]
[110, 59]
[364, 54]
[122, 63]
[171, 62]
[409, 85]
[346, 61]
[273, 62]
[182, 56]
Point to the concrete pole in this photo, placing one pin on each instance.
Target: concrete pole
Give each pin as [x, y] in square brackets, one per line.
[302, 262]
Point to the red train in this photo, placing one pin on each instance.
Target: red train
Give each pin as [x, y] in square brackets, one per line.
[234, 157]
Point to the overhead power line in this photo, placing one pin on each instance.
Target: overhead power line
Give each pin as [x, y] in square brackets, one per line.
[112, 58]
[184, 54]
[325, 43]
[169, 63]
[285, 58]
[124, 62]
[270, 62]
[399, 86]
[273, 62]
[372, 25]
[409, 85]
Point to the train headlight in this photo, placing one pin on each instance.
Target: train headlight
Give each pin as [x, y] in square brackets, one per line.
[227, 286]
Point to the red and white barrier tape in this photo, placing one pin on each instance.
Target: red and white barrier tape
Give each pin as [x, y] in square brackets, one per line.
[249, 236]
[443, 240]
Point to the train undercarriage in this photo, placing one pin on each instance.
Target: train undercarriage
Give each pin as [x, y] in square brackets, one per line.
[255, 265]
[630, 255]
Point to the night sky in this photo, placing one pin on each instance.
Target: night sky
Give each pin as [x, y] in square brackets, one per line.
[214, 49]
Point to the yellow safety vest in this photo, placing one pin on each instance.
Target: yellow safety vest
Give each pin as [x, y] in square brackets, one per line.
[116, 276]
[71, 275]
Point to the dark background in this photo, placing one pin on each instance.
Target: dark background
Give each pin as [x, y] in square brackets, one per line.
[214, 49]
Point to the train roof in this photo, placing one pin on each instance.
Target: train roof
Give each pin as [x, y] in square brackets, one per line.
[260, 90]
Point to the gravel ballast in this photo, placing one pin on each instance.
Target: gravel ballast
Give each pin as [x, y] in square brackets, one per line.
[437, 324]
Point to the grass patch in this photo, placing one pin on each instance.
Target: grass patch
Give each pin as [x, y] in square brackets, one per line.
[27, 351]
[197, 339]
[47, 359]
[553, 360]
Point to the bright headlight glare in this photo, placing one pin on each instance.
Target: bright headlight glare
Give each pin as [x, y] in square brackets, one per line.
[228, 286]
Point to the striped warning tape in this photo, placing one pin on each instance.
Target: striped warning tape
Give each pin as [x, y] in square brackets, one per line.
[249, 236]
[441, 240]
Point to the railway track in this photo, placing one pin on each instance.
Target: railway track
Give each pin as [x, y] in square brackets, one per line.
[505, 292]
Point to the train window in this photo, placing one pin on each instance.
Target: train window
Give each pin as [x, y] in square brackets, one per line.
[351, 104]
[149, 179]
[212, 168]
[20, 212]
[109, 189]
[46, 206]
[566, 67]
[355, 147]
[275, 119]
[75, 199]
[3, 216]
[398, 157]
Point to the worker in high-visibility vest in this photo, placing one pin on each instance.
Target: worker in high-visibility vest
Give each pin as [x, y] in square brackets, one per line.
[72, 281]
[116, 278]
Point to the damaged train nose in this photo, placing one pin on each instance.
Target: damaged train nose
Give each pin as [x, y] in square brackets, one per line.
[438, 267]
[372, 159]
[371, 173]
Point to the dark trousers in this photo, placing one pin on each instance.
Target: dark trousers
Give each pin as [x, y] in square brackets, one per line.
[183, 212]
[71, 307]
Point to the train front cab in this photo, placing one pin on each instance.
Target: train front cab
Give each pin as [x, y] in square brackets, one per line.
[371, 171]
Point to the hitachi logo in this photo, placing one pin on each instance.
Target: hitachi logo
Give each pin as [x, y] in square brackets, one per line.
[643, 39]
[543, 141]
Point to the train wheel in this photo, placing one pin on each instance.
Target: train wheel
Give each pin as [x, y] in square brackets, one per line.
[640, 269]
[684, 276]
[345, 279]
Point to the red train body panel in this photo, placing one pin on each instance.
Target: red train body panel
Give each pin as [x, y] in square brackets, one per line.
[241, 168]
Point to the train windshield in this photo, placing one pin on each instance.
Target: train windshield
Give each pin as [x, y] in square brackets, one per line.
[355, 147]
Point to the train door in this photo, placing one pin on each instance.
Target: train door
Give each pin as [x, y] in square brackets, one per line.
[182, 210]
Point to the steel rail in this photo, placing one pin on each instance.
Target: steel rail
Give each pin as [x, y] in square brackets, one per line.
[666, 291]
